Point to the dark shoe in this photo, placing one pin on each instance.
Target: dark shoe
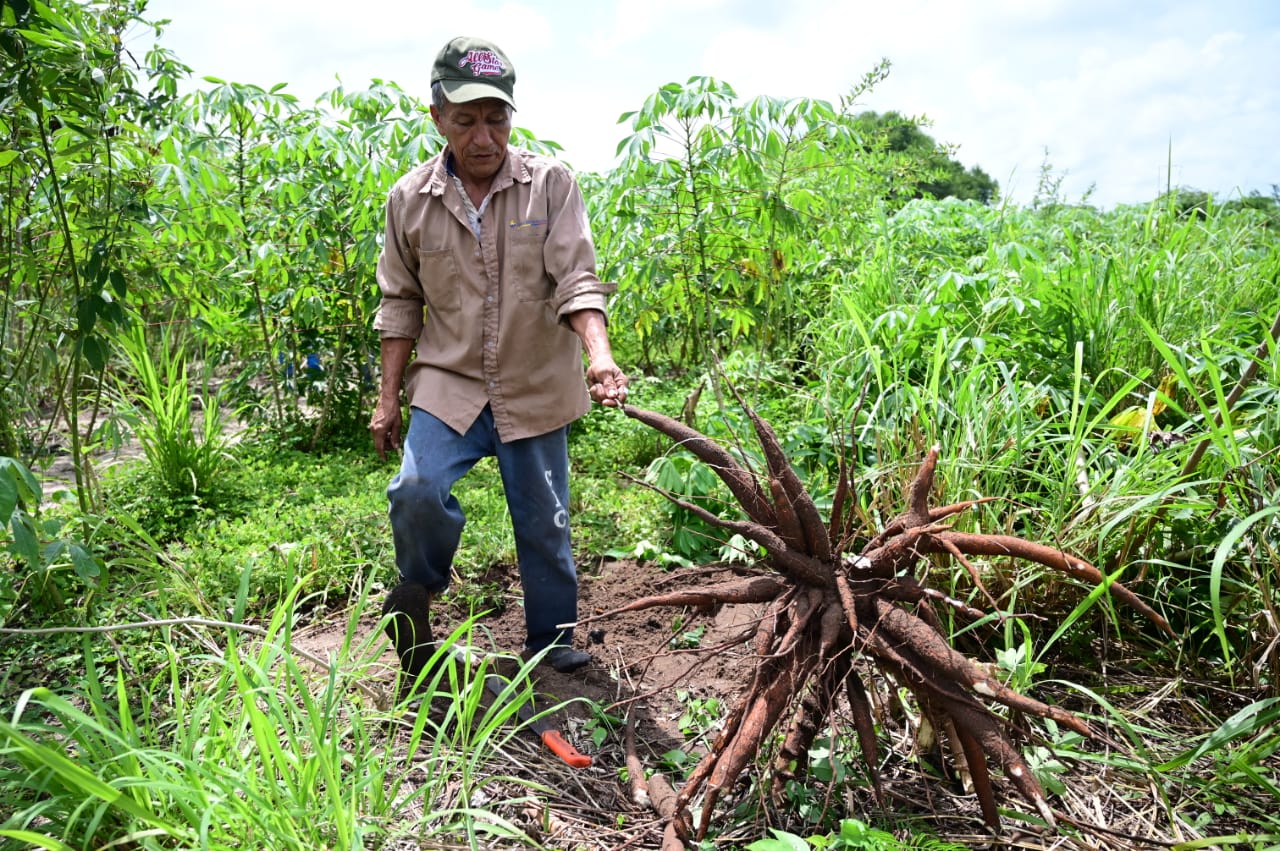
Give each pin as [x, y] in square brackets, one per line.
[409, 628]
[565, 659]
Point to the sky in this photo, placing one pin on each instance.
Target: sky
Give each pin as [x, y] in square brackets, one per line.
[1118, 98]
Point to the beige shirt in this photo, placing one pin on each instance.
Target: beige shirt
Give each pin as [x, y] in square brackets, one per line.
[489, 314]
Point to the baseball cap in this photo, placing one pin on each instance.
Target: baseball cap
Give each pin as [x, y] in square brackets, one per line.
[472, 68]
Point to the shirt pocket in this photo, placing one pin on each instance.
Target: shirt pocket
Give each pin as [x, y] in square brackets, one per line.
[525, 260]
[438, 275]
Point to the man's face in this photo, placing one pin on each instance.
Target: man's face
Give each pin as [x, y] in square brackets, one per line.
[477, 132]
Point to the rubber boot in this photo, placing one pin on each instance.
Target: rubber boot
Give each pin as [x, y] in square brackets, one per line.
[565, 659]
[409, 628]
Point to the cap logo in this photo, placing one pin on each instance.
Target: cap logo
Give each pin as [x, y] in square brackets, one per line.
[484, 63]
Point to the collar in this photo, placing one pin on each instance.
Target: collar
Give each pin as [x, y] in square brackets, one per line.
[514, 169]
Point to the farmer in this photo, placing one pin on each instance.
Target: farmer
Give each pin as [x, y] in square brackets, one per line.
[488, 271]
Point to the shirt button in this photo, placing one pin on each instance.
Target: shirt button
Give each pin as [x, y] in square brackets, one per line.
[493, 384]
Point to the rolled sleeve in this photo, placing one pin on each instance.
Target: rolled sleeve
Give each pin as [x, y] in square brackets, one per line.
[586, 294]
[398, 318]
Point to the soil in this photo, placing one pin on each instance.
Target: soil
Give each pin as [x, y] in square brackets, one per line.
[635, 671]
[636, 662]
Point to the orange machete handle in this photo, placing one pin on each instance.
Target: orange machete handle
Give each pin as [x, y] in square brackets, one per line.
[561, 748]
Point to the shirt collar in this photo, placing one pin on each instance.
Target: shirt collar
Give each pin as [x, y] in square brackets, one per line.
[514, 170]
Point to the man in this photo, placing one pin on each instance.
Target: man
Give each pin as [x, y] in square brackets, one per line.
[493, 242]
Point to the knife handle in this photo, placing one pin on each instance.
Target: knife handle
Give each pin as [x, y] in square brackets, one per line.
[567, 752]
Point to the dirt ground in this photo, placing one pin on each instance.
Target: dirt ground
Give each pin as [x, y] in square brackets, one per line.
[635, 670]
[648, 664]
[640, 659]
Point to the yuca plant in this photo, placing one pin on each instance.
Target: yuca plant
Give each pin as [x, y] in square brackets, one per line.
[185, 456]
[830, 611]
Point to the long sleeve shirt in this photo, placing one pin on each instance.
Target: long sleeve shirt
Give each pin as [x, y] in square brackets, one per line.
[489, 313]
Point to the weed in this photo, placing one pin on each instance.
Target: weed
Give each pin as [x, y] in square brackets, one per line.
[699, 715]
[853, 835]
[685, 639]
[185, 458]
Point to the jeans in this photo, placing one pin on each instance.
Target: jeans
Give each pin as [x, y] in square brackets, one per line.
[427, 521]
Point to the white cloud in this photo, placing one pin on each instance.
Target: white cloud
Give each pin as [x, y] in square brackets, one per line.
[634, 22]
[1213, 49]
[1105, 87]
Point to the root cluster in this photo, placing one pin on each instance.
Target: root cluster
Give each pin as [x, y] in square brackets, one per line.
[826, 607]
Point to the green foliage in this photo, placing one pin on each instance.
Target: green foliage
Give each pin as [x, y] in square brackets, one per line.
[185, 463]
[606, 511]
[252, 745]
[1014, 339]
[605, 441]
[41, 544]
[732, 221]
[853, 834]
[698, 715]
[942, 175]
[1238, 753]
[75, 228]
[695, 483]
[724, 218]
[1077, 364]
[279, 515]
[296, 196]
[1264, 209]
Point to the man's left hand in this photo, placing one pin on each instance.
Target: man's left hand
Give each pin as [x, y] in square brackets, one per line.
[607, 383]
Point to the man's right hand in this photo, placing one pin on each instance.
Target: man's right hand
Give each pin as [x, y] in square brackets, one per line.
[385, 426]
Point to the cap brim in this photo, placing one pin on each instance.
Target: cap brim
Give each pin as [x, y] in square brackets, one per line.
[465, 92]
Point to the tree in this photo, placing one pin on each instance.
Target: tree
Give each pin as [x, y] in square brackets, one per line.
[946, 176]
[75, 165]
[731, 220]
[1265, 206]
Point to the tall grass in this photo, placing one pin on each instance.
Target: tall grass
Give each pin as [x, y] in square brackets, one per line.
[185, 457]
[249, 745]
[1023, 341]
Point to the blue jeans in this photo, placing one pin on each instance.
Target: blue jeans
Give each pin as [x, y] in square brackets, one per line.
[427, 521]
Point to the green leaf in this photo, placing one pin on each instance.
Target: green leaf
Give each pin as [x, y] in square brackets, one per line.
[8, 498]
[87, 313]
[26, 545]
[1217, 570]
[71, 774]
[95, 351]
[86, 566]
[7, 157]
[1256, 716]
[782, 841]
[36, 840]
[26, 488]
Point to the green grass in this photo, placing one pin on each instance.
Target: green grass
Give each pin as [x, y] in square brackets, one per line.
[186, 458]
[256, 745]
[282, 513]
[1013, 339]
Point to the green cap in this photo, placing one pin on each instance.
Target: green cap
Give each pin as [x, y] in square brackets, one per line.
[471, 69]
